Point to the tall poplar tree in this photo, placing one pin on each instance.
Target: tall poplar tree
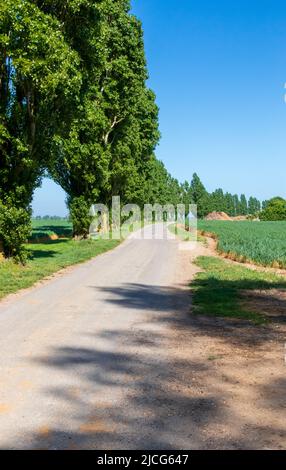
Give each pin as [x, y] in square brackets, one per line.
[243, 206]
[39, 81]
[115, 130]
[254, 206]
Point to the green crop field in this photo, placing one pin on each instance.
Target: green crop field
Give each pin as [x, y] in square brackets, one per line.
[259, 242]
[47, 227]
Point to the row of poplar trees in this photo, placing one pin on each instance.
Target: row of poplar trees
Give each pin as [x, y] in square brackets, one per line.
[218, 200]
[74, 104]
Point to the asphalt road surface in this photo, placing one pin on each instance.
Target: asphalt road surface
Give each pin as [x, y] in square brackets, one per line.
[87, 358]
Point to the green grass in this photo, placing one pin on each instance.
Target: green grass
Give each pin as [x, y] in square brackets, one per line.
[45, 228]
[258, 242]
[181, 233]
[49, 256]
[46, 259]
[185, 235]
[217, 290]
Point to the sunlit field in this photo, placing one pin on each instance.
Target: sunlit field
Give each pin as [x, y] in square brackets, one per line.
[259, 242]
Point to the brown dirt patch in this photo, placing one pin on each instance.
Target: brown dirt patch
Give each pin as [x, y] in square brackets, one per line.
[269, 303]
[237, 373]
[217, 216]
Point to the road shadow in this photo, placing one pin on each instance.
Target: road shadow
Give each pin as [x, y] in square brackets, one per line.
[178, 300]
[260, 301]
[36, 254]
[60, 230]
[139, 390]
[156, 411]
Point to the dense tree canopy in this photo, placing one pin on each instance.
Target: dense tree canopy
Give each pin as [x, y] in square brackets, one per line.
[254, 206]
[274, 210]
[74, 102]
[38, 81]
[115, 128]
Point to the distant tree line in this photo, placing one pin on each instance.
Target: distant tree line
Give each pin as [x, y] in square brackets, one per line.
[49, 217]
[219, 201]
[165, 189]
[232, 204]
[161, 187]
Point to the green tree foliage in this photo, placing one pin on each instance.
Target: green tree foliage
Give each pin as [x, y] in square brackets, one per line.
[204, 205]
[199, 196]
[254, 206]
[15, 228]
[236, 204]
[115, 129]
[80, 216]
[160, 187]
[243, 207]
[186, 197]
[217, 201]
[230, 205]
[275, 210]
[74, 102]
[197, 189]
[38, 80]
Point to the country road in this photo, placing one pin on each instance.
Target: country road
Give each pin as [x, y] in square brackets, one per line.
[108, 355]
[85, 361]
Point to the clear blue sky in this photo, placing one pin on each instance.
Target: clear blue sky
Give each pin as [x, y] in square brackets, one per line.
[218, 68]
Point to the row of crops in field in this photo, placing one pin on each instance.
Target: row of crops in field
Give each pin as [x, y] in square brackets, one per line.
[259, 242]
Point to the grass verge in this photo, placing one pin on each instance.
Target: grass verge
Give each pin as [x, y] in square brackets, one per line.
[48, 258]
[185, 235]
[217, 289]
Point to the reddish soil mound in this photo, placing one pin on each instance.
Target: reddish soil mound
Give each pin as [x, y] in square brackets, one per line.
[217, 216]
